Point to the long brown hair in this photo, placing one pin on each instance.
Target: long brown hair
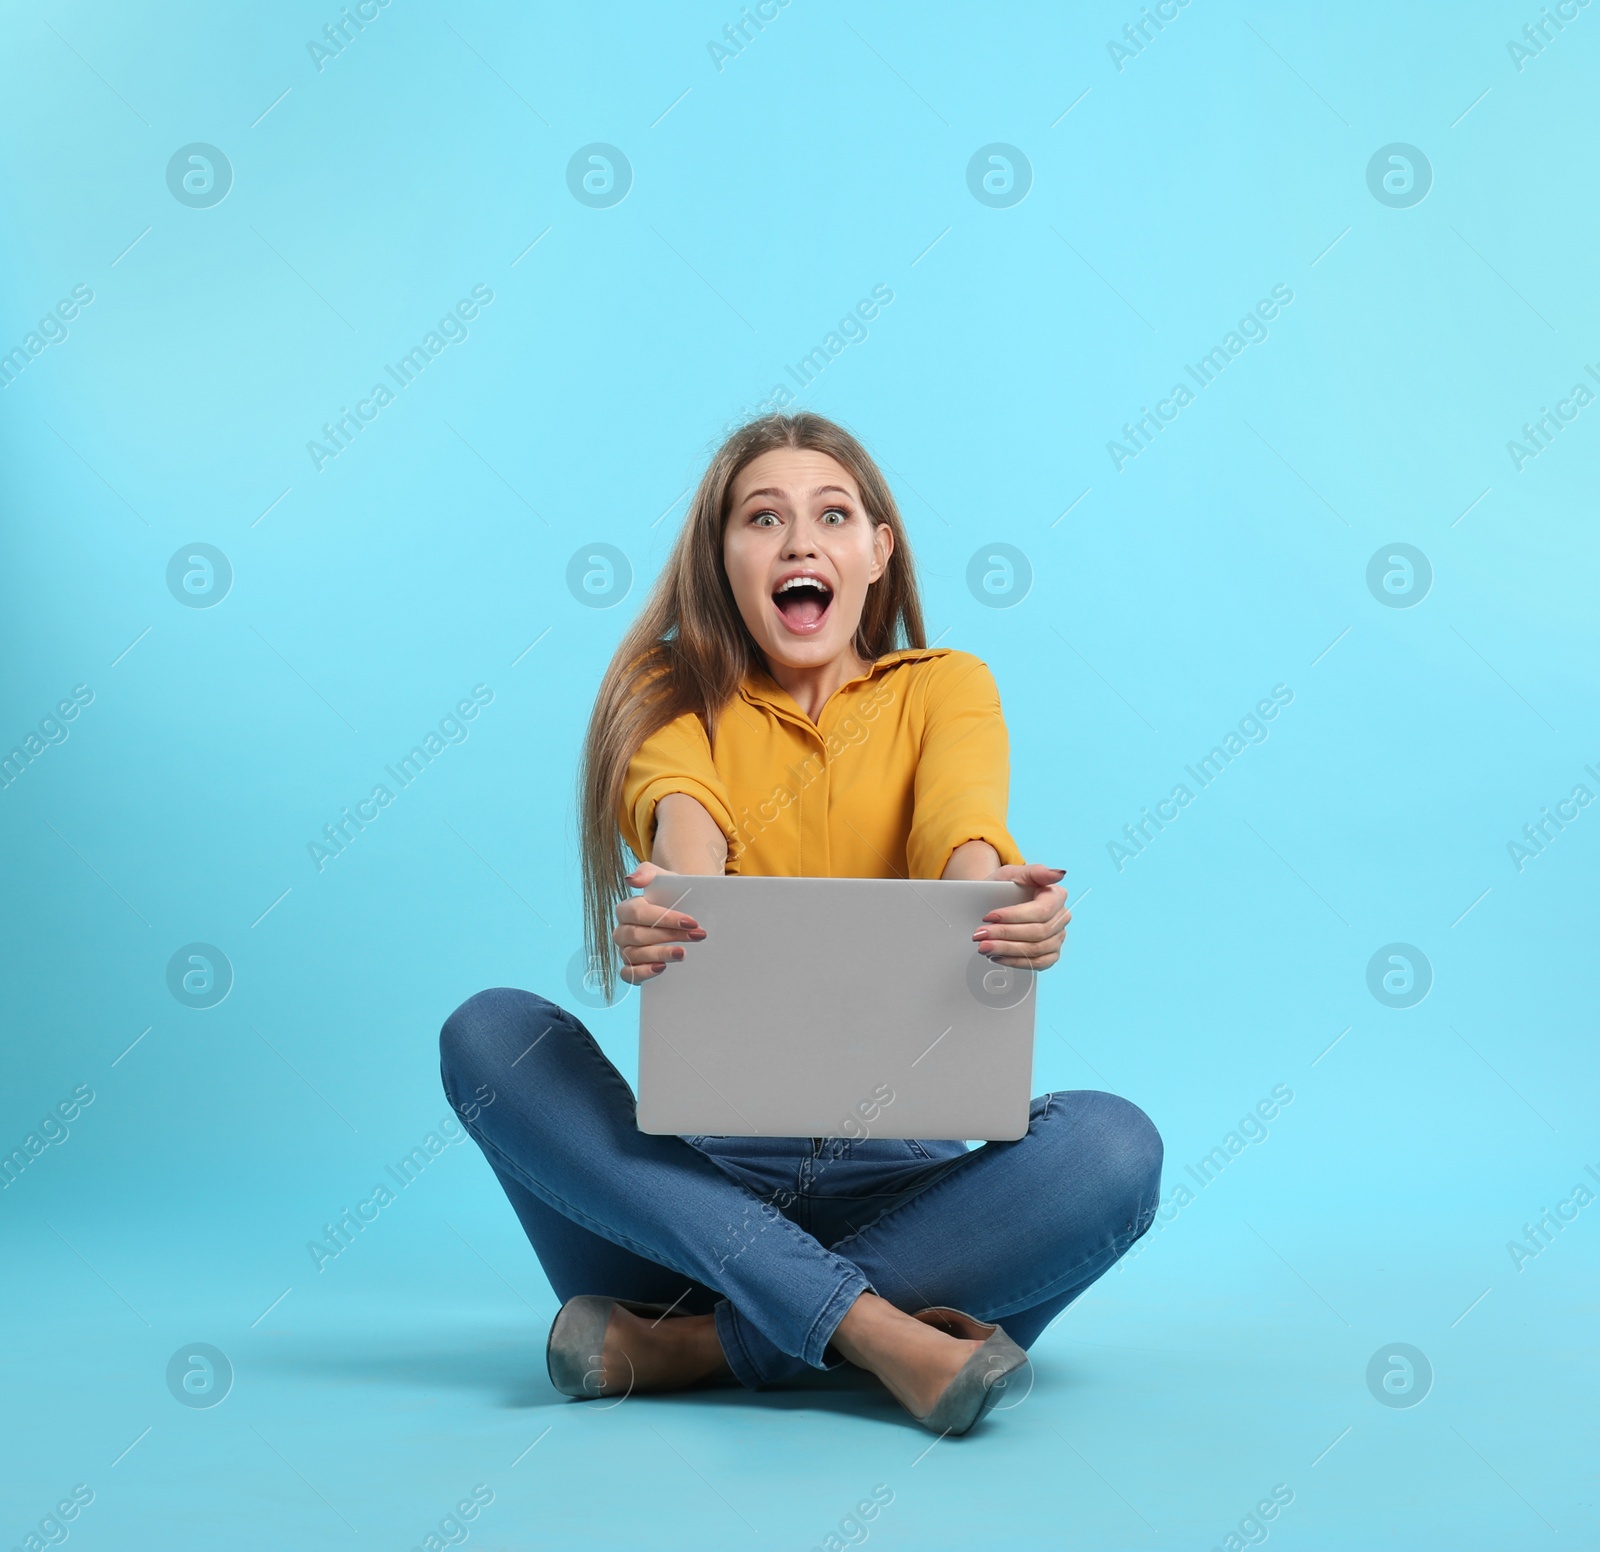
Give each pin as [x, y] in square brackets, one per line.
[689, 649]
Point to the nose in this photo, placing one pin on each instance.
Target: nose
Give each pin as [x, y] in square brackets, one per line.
[801, 540]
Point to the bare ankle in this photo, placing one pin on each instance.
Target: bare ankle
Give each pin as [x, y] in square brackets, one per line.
[669, 1352]
[873, 1329]
[914, 1360]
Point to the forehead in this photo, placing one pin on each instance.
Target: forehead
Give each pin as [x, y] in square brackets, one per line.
[795, 471]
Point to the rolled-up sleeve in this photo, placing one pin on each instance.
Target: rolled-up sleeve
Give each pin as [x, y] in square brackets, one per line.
[963, 776]
[677, 758]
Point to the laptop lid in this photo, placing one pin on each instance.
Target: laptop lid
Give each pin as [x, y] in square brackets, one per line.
[836, 1007]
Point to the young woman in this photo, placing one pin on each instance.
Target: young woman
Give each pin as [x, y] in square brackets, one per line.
[775, 710]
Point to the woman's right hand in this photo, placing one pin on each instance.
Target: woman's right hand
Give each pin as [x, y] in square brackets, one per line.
[649, 935]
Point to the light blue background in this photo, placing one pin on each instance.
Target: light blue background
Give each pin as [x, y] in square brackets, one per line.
[1229, 1352]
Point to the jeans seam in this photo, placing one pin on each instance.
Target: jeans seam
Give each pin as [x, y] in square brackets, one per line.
[1116, 1249]
[1118, 1246]
[910, 1198]
[568, 1210]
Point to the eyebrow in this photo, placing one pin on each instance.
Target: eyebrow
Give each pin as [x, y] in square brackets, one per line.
[783, 494]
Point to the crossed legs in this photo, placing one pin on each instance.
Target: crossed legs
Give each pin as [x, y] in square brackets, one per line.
[1010, 1232]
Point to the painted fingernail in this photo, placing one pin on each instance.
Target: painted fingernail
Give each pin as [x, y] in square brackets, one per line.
[677, 953]
[698, 933]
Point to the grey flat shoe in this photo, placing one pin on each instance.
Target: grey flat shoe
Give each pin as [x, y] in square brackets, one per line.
[577, 1338]
[981, 1380]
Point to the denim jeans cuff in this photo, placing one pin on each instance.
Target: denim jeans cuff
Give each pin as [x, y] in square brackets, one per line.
[748, 1368]
[850, 1288]
[733, 1348]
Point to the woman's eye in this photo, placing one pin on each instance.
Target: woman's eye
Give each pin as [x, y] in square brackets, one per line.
[837, 513]
[763, 518]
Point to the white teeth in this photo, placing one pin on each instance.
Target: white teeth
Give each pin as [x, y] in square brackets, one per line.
[783, 587]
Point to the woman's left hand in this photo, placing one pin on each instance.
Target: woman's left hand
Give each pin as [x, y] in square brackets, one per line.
[1028, 936]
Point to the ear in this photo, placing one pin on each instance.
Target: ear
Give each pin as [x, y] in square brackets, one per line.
[882, 549]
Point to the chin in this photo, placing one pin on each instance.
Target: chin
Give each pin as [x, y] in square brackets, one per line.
[810, 652]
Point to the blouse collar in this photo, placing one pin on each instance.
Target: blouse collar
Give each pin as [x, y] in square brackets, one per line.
[761, 689]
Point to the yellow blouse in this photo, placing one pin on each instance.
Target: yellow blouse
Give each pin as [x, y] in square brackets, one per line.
[906, 763]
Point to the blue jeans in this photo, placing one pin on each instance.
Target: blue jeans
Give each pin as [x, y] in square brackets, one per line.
[778, 1236]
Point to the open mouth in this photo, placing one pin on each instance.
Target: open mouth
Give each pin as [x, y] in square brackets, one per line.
[803, 602]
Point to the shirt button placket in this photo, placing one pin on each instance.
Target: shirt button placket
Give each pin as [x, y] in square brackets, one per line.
[816, 855]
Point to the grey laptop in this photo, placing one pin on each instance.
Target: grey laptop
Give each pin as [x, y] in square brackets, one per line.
[836, 1007]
